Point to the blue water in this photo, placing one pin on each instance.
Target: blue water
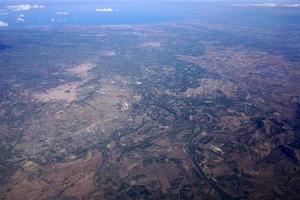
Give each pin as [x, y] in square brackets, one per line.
[134, 12]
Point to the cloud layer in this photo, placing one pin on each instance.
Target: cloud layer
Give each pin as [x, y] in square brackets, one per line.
[104, 10]
[269, 5]
[3, 24]
[3, 12]
[24, 7]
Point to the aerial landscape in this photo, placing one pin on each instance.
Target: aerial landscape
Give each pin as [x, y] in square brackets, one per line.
[131, 100]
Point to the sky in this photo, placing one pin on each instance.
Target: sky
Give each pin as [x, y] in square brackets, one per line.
[20, 13]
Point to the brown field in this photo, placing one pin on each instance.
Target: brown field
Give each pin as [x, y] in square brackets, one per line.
[74, 178]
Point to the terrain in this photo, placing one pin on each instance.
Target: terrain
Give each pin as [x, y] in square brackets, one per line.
[164, 111]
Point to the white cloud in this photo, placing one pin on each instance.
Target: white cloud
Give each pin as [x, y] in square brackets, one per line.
[55, 20]
[20, 19]
[24, 7]
[269, 5]
[62, 13]
[3, 24]
[104, 10]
